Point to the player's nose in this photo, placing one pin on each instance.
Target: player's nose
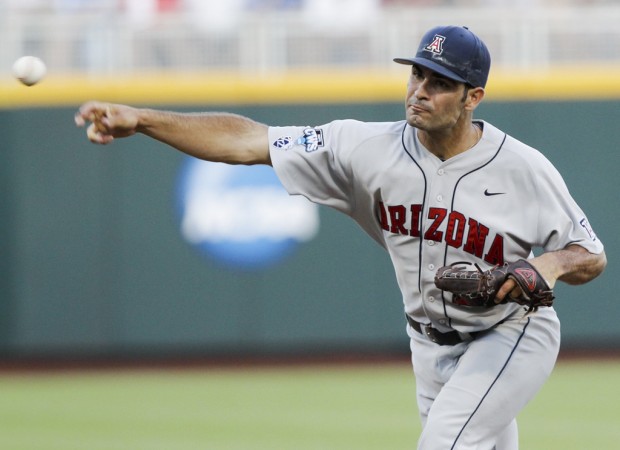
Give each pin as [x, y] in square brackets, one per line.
[419, 90]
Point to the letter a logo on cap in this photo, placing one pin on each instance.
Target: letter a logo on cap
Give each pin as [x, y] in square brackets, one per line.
[437, 45]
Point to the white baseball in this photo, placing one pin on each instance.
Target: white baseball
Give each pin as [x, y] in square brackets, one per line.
[29, 70]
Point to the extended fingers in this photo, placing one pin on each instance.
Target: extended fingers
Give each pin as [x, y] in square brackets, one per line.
[107, 121]
[97, 135]
[88, 112]
[97, 113]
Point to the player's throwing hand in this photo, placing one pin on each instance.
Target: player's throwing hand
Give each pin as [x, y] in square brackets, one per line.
[108, 121]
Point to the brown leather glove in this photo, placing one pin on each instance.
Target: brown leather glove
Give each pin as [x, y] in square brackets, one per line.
[479, 288]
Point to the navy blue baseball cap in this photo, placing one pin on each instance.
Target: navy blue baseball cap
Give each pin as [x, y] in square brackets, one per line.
[454, 52]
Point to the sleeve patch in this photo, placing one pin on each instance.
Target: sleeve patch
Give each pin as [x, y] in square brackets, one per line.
[283, 142]
[586, 226]
[312, 139]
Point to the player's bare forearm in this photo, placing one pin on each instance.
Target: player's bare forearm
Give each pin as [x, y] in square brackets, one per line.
[573, 265]
[220, 137]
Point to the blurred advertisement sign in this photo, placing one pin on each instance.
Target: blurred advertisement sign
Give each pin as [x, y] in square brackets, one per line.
[241, 216]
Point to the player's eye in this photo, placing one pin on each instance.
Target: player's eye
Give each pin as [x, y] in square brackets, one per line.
[444, 84]
[441, 83]
[416, 73]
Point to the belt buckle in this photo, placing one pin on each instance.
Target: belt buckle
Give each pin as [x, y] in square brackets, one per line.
[429, 331]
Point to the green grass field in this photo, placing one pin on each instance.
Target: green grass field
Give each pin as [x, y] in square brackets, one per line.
[254, 408]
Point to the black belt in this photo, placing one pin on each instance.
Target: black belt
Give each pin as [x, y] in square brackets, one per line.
[436, 336]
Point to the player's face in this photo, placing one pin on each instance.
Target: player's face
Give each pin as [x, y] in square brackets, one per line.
[434, 102]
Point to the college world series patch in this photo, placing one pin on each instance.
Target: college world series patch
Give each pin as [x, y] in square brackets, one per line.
[312, 139]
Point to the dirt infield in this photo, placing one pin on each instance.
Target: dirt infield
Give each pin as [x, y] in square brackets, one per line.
[47, 363]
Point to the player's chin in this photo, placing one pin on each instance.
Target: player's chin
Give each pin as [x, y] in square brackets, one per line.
[414, 119]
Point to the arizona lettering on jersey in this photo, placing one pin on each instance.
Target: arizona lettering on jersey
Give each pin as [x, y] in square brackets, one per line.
[461, 232]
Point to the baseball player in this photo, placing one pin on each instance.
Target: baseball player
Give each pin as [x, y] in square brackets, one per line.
[436, 188]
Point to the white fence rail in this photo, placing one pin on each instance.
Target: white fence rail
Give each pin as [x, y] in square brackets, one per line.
[262, 43]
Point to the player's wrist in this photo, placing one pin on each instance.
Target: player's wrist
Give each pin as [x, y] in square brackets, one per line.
[143, 120]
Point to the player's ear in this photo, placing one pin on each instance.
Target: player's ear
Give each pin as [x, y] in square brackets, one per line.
[473, 97]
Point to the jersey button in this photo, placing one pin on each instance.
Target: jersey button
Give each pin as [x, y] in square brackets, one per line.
[440, 172]
[431, 299]
[431, 243]
[431, 267]
[440, 198]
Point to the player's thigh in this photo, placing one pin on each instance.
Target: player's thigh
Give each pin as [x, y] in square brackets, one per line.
[433, 365]
[495, 378]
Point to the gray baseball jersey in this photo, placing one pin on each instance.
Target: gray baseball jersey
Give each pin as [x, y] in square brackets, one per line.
[491, 204]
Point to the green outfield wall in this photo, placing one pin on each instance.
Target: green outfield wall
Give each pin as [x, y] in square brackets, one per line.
[93, 262]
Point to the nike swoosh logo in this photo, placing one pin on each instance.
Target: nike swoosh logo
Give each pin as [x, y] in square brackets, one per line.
[489, 194]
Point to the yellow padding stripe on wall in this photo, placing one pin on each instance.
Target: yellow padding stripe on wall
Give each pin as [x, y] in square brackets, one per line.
[291, 88]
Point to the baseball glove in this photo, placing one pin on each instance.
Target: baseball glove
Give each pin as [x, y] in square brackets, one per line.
[479, 288]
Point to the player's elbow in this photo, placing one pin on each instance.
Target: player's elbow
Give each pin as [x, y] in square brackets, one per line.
[252, 149]
[244, 156]
[592, 267]
[600, 264]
